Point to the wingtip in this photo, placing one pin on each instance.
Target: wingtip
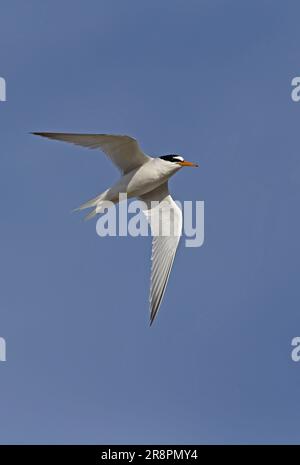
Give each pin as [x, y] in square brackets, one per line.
[152, 318]
[36, 133]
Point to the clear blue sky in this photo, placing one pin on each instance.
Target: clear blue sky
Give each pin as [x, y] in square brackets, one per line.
[210, 80]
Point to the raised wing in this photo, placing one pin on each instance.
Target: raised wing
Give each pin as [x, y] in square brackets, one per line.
[165, 219]
[124, 151]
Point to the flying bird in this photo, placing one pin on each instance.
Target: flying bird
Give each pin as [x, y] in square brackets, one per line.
[145, 178]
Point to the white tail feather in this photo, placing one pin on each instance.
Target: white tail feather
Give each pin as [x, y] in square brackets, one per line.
[92, 202]
[91, 215]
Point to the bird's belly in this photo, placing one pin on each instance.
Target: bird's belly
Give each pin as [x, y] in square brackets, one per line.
[145, 180]
[142, 180]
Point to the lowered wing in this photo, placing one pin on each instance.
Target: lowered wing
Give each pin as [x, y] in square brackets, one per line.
[165, 219]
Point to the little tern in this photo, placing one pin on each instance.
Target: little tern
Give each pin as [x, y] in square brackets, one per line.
[145, 178]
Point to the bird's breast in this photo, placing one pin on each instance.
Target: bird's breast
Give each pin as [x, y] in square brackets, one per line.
[149, 176]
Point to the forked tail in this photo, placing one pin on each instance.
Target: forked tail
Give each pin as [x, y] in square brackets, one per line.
[92, 203]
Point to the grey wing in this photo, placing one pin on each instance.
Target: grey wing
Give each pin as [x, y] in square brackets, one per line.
[165, 220]
[124, 151]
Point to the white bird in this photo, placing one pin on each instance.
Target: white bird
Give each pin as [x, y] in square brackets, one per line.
[146, 178]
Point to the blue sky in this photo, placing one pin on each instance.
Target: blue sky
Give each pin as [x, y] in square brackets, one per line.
[207, 79]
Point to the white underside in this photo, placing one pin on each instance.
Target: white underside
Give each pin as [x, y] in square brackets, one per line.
[141, 180]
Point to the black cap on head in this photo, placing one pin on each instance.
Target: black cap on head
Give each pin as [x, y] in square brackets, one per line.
[173, 158]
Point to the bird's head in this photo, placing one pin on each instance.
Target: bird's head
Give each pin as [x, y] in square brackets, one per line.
[178, 159]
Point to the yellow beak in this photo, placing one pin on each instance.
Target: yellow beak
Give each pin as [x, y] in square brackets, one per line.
[188, 163]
